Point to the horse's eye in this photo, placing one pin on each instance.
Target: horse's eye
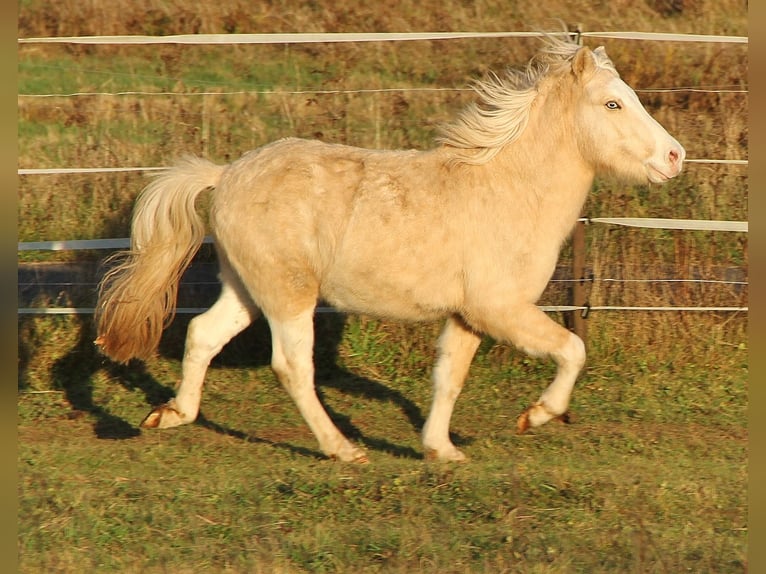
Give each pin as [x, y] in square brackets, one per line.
[612, 105]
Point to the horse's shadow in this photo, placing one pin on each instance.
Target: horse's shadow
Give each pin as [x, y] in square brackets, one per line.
[74, 374]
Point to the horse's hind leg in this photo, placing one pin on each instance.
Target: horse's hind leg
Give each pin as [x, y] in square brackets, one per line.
[457, 346]
[292, 361]
[205, 337]
[533, 331]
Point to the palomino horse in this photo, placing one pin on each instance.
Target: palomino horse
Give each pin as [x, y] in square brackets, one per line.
[469, 231]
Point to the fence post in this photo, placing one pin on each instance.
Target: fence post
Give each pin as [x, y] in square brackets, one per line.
[579, 295]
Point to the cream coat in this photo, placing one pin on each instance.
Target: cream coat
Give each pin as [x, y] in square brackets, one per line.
[469, 230]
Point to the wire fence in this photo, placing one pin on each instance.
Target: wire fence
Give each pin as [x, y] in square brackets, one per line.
[334, 37]
[654, 223]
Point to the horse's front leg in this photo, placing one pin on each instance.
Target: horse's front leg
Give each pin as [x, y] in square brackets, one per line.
[457, 346]
[531, 330]
[569, 354]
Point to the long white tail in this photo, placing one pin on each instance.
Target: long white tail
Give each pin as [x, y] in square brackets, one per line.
[137, 297]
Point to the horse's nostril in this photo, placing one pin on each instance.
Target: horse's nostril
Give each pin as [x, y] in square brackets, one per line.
[674, 156]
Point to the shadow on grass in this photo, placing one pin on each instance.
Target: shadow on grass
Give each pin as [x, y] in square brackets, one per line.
[204, 422]
[74, 374]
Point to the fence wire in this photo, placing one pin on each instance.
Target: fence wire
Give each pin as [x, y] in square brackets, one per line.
[122, 243]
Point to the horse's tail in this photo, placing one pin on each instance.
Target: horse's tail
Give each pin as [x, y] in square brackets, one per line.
[137, 297]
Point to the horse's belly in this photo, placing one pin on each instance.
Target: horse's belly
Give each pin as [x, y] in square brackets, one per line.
[400, 295]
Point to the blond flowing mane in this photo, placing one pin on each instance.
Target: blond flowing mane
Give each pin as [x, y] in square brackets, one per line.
[502, 110]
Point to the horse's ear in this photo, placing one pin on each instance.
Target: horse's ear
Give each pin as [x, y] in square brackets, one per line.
[583, 63]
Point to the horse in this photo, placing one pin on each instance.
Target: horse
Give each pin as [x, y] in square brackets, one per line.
[468, 231]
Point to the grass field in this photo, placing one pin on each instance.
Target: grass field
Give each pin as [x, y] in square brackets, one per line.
[651, 475]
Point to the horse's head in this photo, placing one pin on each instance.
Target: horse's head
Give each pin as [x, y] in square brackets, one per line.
[614, 131]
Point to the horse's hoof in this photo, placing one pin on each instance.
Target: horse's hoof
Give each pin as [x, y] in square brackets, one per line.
[362, 459]
[163, 417]
[522, 423]
[354, 455]
[454, 455]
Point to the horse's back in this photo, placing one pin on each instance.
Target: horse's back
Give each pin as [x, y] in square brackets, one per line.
[370, 230]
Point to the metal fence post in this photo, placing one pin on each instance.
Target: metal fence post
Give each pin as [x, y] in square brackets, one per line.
[578, 292]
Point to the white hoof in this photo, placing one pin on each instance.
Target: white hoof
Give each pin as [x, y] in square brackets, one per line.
[351, 453]
[451, 454]
[537, 415]
[164, 417]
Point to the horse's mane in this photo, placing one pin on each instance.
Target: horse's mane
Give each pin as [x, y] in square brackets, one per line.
[502, 111]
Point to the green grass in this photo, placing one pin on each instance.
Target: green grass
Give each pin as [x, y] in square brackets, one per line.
[161, 69]
[543, 506]
[650, 476]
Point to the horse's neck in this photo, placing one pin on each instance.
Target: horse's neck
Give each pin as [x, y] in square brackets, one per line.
[545, 164]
